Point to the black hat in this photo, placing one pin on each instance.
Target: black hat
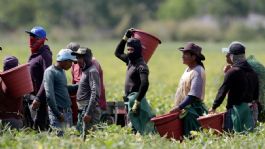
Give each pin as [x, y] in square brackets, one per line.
[235, 48]
[73, 46]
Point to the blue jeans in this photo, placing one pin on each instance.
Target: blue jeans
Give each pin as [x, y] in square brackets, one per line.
[56, 124]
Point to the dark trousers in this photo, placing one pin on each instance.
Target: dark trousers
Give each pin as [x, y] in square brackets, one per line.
[41, 120]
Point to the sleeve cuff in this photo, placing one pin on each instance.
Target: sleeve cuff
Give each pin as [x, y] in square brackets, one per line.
[125, 38]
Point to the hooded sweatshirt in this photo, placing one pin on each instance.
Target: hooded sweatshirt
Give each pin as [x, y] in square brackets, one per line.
[88, 92]
[38, 63]
[241, 84]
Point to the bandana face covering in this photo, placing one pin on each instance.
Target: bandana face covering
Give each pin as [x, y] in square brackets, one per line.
[35, 44]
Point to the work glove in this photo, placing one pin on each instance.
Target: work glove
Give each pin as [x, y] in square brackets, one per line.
[136, 107]
[128, 34]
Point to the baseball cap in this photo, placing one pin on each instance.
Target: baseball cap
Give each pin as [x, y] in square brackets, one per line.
[73, 46]
[82, 51]
[37, 31]
[235, 48]
[64, 55]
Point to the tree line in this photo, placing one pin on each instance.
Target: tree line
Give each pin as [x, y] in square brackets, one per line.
[117, 15]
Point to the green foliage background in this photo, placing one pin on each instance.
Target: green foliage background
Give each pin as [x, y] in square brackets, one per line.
[101, 19]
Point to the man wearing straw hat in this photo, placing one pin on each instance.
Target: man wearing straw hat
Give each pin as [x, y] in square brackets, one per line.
[10, 108]
[39, 60]
[136, 83]
[57, 91]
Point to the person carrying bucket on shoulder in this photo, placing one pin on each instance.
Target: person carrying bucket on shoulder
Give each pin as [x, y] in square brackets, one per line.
[136, 83]
[57, 91]
[10, 108]
[190, 92]
[242, 87]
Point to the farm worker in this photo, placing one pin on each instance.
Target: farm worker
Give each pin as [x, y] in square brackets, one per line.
[241, 85]
[10, 107]
[57, 91]
[88, 92]
[255, 104]
[40, 59]
[136, 83]
[190, 92]
[76, 75]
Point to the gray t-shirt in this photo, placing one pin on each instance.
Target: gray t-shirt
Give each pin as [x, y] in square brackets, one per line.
[89, 89]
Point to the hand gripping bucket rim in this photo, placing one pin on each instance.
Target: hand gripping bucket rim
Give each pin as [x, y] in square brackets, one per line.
[18, 80]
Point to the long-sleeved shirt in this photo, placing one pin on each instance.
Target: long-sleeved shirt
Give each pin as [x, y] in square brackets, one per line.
[76, 76]
[240, 86]
[88, 92]
[136, 75]
[56, 89]
[38, 63]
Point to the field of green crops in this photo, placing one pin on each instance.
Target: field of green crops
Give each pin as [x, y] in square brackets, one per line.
[165, 70]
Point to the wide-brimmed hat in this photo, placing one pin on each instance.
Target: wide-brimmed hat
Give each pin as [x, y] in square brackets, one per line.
[193, 48]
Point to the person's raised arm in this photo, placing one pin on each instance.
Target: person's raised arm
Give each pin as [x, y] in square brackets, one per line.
[119, 52]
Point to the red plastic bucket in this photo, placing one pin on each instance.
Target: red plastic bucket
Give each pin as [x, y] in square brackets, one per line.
[148, 41]
[169, 125]
[214, 121]
[18, 80]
